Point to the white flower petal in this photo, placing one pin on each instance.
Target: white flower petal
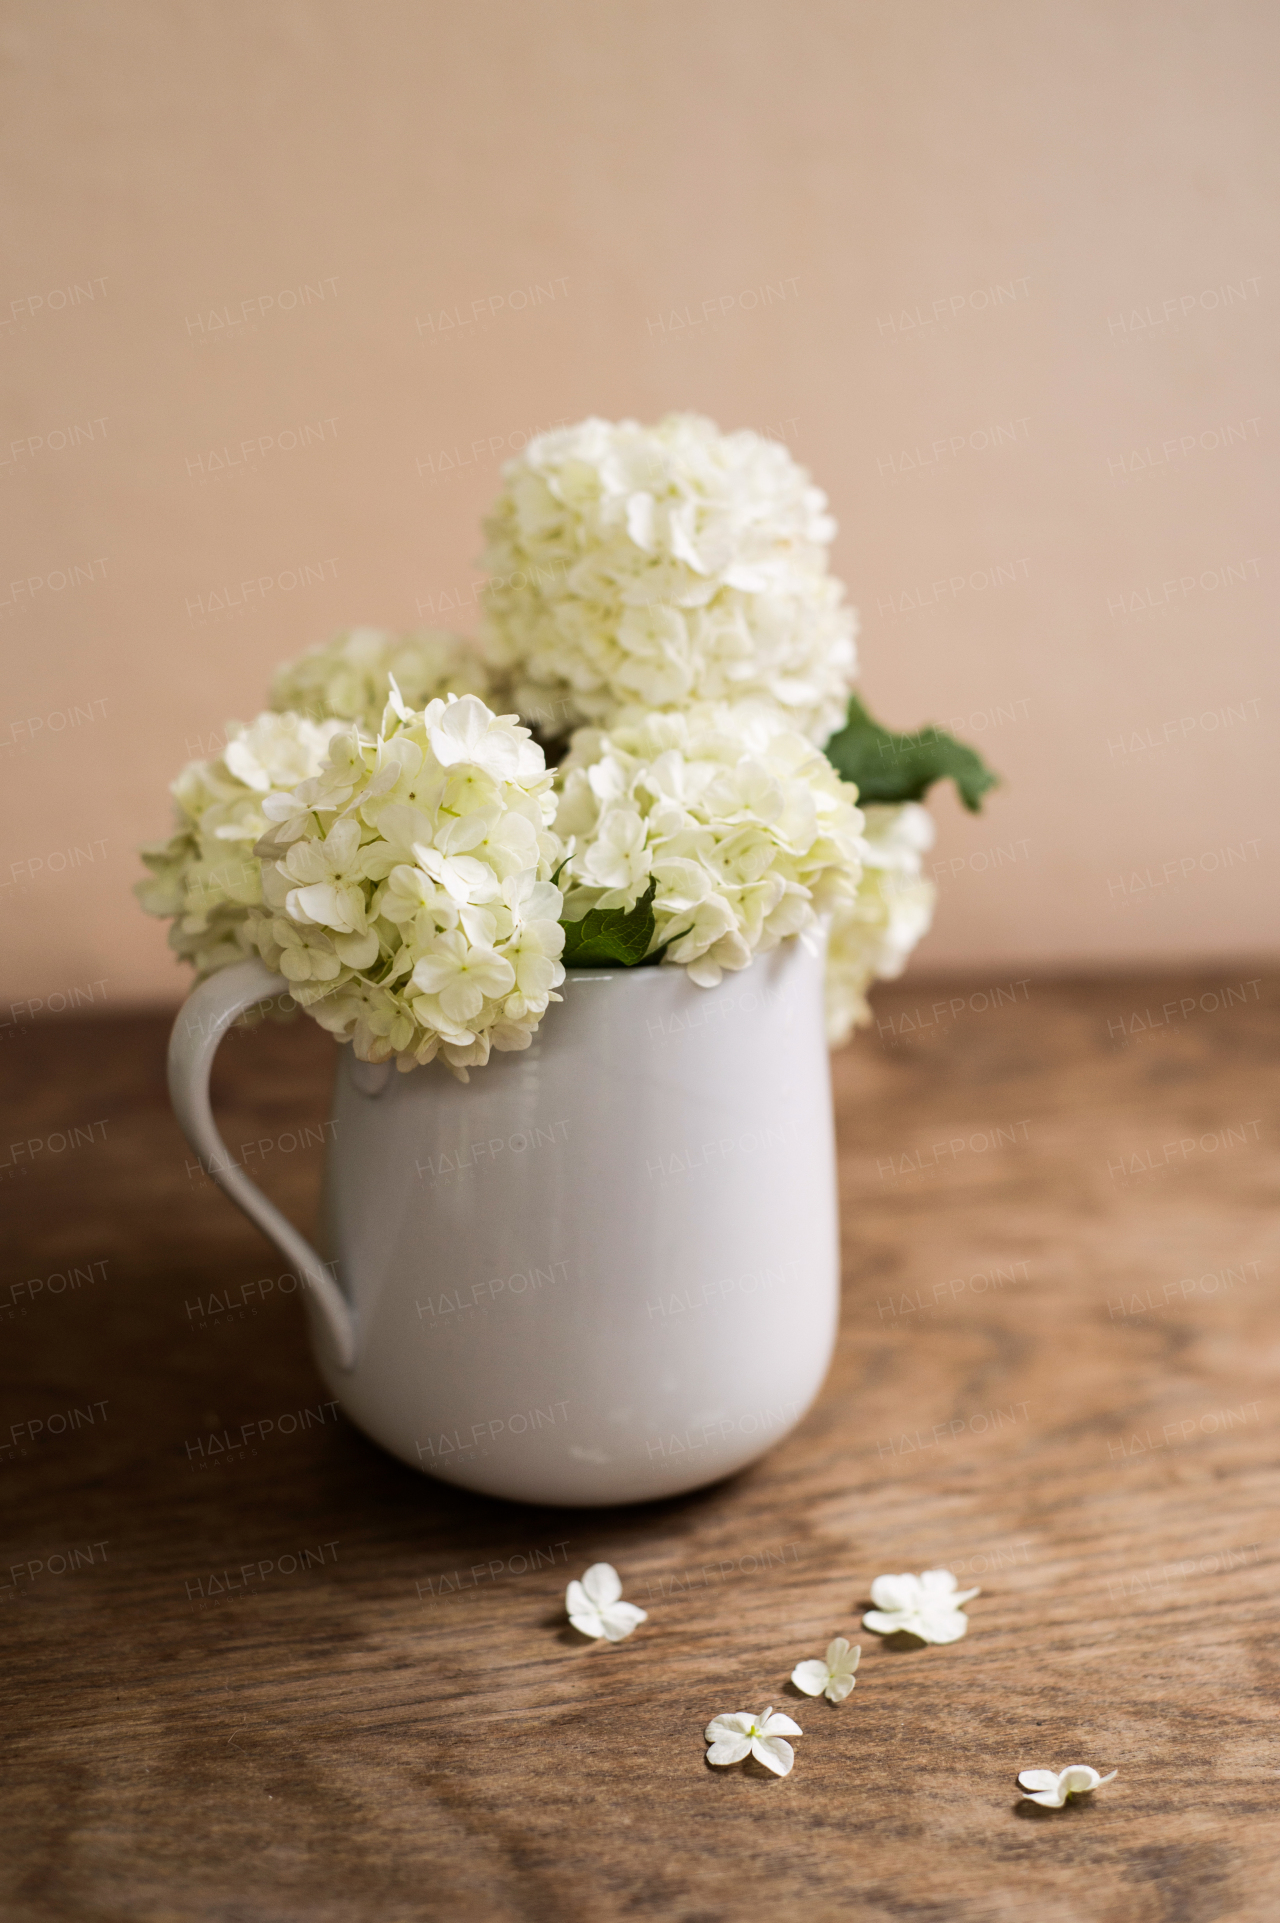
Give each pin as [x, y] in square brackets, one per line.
[775, 1723]
[621, 1618]
[728, 1725]
[640, 520]
[884, 1622]
[731, 1749]
[940, 1627]
[774, 1753]
[1038, 1778]
[839, 1687]
[602, 1583]
[810, 1676]
[1077, 1778]
[582, 1611]
[589, 1621]
[895, 1592]
[358, 951]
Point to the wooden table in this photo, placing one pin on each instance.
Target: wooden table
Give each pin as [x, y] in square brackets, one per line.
[1056, 1375]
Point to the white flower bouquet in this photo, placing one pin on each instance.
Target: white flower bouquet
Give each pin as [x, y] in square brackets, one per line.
[394, 839]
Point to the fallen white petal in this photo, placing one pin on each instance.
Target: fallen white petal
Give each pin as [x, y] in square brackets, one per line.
[940, 1628]
[588, 1623]
[1051, 1788]
[602, 1583]
[882, 1622]
[775, 1723]
[726, 1726]
[939, 1585]
[620, 1618]
[895, 1592]
[773, 1753]
[810, 1676]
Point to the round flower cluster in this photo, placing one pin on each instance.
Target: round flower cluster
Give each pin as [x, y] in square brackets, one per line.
[206, 877]
[655, 567]
[743, 831]
[406, 887]
[351, 676]
[873, 935]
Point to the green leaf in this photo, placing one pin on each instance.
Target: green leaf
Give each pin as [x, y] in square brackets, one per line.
[903, 767]
[612, 937]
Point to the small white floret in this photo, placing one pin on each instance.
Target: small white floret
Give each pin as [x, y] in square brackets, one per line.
[1051, 1787]
[737, 1736]
[830, 1675]
[927, 1606]
[596, 1607]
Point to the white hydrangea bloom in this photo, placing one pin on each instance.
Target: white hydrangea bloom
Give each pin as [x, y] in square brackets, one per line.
[873, 934]
[406, 887]
[657, 567]
[745, 831]
[206, 877]
[351, 675]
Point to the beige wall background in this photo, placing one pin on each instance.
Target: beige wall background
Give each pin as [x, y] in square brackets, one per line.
[285, 283]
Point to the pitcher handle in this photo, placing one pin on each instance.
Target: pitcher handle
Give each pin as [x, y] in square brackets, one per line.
[203, 1020]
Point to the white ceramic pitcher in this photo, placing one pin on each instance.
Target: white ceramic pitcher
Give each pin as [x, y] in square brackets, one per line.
[606, 1269]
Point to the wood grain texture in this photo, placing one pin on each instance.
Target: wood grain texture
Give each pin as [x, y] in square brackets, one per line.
[403, 1726]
